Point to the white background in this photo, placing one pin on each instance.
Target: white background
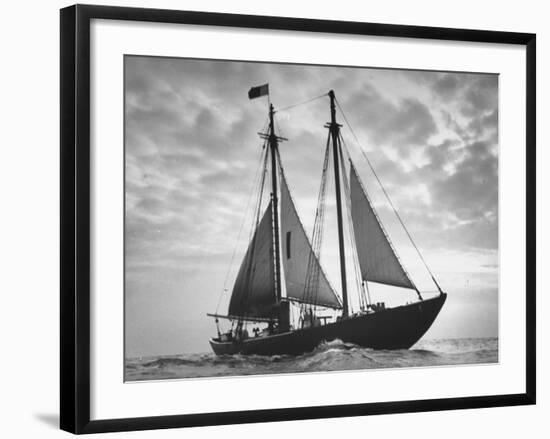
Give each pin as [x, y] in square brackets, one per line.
[29, 221]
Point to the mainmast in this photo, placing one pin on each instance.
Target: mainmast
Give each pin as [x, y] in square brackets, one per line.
[273, 145]
[334, 128]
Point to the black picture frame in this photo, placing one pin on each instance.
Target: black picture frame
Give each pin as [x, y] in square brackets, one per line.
[75, 217]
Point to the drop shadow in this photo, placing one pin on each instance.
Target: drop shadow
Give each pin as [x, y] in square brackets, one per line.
[49, 419]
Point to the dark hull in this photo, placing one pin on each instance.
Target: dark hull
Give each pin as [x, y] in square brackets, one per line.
[392, 328]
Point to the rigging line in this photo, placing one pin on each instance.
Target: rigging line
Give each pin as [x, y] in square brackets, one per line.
[258, 175]
[260, 192]
[310, 270]
[388, 197]
[279, 130]
[282, 173]
[311, 286]
[320, 229]
[253, 236]
[289, 107]
[351, 228]
[251, 193]
[321, 220]
[366, 286]
[351, 231]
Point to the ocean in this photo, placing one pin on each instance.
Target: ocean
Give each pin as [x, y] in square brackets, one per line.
[330, 356]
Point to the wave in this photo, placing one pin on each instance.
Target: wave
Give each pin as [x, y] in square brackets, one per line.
[328, 356]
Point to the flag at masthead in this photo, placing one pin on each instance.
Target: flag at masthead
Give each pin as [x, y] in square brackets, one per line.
[256, 92]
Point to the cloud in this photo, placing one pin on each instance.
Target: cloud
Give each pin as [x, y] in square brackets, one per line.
[404, 125]
[447, 85]
[190, 136]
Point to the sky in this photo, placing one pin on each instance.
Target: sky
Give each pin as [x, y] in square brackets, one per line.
[192, 152]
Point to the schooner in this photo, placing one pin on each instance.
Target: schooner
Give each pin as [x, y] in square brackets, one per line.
[280, 252]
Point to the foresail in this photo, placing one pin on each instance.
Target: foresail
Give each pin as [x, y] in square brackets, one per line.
[377, 258]
[254, 291]
[297, 255]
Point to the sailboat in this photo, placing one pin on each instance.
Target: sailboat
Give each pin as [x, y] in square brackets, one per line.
[280, 256]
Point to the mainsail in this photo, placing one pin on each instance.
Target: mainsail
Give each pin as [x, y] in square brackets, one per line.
[254, 291]
[297, 254]
[377, 259]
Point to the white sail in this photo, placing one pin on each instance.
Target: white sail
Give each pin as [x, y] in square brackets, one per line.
[377, 258]
[254, 290]
[297, 255]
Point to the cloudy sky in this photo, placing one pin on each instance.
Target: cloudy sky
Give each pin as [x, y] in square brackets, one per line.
[192, 151]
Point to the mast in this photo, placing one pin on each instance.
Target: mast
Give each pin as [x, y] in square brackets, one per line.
[273, 144]
[334, 128]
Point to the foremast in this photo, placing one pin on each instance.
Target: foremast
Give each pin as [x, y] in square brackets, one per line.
[282, 307]
[273, 142]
